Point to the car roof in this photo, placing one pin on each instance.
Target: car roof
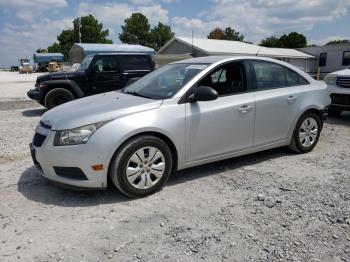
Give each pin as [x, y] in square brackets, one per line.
[215, 59]
[129, 53]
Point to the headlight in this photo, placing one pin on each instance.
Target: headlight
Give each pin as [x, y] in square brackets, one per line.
[76, 136]
[330, 79]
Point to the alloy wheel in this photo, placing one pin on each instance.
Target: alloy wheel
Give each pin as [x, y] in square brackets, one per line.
[308, 132]
[145, 167]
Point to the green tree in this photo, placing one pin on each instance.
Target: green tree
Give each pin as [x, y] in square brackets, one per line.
[91, 31]
[293, 40]
[231, 34]
[41, 50]
[136, 30]
[335, 42]
[227, 34]
[160, 35]
[271, 41]
[54, 48]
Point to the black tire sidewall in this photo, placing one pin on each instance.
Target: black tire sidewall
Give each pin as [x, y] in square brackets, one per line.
[299, 146]
[52, 94]
[120, 161]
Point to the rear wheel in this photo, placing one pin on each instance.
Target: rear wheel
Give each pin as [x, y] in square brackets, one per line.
[57, 96]
[306, 133]
[334, 112]
[142, 166]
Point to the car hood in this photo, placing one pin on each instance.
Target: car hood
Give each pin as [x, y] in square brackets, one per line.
[97, 108]
[345, 72]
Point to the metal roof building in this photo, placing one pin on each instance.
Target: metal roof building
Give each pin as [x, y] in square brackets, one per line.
[203, 47]
[47, 57]
[80, 50]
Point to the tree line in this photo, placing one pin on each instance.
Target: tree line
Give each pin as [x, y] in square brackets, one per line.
[137, 30]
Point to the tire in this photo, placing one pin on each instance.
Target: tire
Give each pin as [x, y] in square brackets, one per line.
[57, 96]
[334, 112]
[141, 180]
[306, 133]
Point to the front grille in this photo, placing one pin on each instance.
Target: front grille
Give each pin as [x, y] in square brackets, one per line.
[38, 140]
[343, 82]
[340, 99]
[70, 172]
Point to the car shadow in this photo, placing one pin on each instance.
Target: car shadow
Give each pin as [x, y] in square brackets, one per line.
[36, 188]
[343, 119]
[33, 112]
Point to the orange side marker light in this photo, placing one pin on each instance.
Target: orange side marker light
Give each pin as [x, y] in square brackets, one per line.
[97, 167]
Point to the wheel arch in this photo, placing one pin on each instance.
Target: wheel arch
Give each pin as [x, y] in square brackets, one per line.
[66, 84]
[163, 137]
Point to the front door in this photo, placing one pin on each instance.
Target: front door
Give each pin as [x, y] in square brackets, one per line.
[223, 126]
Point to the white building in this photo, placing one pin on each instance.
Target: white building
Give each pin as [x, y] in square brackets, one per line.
[196, 47]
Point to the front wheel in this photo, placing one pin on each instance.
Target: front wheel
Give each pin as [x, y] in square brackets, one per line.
[142, 166]
[57, 96]
[306, 133]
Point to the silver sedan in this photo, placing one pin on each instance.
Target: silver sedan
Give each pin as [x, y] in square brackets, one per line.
[185, 114]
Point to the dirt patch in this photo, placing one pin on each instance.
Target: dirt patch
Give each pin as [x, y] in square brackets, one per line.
[270, 206]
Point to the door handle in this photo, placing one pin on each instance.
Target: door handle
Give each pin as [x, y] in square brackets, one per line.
[245, 108]
[291, 99]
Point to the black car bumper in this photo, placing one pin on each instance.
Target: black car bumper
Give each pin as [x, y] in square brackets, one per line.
[340, 102]
[35, 94]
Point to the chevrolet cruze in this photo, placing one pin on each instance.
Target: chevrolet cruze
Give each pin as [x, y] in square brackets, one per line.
[182, 115]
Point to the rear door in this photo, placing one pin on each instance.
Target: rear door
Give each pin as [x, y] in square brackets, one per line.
[105, 74]
[135, 65]
[225, 125]
[277, 102]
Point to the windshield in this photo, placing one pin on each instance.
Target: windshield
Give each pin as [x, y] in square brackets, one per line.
[86, 62]
[164, 82]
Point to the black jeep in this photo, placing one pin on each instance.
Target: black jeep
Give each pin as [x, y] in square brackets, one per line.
[97, 74]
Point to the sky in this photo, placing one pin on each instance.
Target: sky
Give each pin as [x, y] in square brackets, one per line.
[26, 25]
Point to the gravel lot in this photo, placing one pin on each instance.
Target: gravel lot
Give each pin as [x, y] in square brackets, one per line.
[270, 206]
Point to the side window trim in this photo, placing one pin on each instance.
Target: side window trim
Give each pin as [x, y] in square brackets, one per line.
[254, 81]
[249, 82]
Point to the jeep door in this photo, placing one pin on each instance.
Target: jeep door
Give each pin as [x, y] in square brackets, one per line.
[225, 125]
[277, 99]
[105, 74]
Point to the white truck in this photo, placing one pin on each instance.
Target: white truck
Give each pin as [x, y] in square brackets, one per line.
[339, 86]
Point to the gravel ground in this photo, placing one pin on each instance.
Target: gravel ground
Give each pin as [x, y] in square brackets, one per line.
[270, 206]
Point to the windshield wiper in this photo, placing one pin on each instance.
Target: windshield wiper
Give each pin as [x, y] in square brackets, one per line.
[134, 93]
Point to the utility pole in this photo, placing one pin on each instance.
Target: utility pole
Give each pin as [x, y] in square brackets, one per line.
[79, 22]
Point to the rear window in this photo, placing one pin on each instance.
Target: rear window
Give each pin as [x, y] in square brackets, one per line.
[294, 78]
[135, 62]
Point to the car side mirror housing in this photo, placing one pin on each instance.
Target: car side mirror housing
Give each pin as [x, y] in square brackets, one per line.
[203, 93]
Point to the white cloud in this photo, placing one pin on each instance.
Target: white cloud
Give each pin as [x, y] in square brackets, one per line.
[142, 2]
[29, 10]
[261, 18]
[112, 15]
[23, 40]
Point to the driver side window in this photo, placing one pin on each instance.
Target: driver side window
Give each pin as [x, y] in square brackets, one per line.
[106, 64]
[228, 79]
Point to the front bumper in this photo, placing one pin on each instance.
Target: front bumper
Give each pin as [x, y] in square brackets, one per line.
[35, 94]
[340, 98]
[68, 165]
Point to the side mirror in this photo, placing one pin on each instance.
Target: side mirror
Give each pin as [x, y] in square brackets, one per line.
[203, 93]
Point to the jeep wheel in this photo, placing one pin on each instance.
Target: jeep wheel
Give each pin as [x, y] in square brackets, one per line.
[57, 97]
